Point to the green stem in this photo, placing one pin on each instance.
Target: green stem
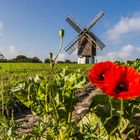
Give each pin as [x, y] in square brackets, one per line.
[110, 103]
[51, 61]
[52, 100]
[111, 108]
[121, 109]
[2, 97]
[59, 49]
[71, 106]
[121, 114]
[56, 115]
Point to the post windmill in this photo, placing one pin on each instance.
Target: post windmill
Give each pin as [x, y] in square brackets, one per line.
[2, 56]
[86, 42]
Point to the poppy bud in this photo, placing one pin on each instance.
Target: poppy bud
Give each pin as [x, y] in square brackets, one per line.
[61, 33]
[51, 55]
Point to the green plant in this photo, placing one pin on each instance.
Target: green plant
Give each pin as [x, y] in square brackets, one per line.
[8, 127]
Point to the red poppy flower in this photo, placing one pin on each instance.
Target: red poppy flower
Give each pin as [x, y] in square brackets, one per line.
[124, 83]
[98, 73]
[121, 82]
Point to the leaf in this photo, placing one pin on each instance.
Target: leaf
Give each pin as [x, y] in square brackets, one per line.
[3, 121]
[115, 137]
[123, 124]
[95, 125]
[40, 95]
[28, 103]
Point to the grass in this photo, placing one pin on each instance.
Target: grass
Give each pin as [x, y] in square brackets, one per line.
[11, 73]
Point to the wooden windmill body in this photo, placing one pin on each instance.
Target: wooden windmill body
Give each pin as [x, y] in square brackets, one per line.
[86, 42]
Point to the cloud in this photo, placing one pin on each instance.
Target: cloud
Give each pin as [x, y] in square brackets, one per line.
[1, 28]
[61, 57]
[11, 51]
[128, 52]
[64, 56]
[124, 26]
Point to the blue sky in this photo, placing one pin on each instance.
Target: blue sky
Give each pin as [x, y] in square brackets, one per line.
[31, 27]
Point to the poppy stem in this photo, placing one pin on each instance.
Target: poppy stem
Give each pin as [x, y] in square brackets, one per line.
[110, 104]
[121, 116]
[121, 109]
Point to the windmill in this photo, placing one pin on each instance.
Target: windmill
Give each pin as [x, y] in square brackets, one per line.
[2, 56]
[86, 42]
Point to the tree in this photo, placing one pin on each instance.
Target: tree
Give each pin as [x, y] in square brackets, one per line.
[21, 58]
[3, 60]
[74, 62]
[35, 60]
[47, 60]
[67, 61]
[60, 61]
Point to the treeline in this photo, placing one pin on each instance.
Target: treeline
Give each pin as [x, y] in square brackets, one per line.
[47, 60]
[23, 58]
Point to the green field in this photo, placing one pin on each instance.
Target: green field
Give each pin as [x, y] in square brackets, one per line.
[11, 73]
[51, 96]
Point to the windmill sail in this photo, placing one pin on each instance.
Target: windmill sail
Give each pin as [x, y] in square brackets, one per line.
[94, 21]
[71, 47]
[99, 44]
[1, 56]
[74, 24]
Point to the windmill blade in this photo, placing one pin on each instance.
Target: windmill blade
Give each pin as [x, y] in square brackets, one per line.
[94, 21]
[74, 24]
[99, 44]
[2, 56]
[71, 47]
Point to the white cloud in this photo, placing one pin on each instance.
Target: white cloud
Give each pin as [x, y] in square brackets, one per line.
[12, 51]
[125, 25]
[127, 52]
[1, 28]
[73, 56]
[64, 56]
[61, 57]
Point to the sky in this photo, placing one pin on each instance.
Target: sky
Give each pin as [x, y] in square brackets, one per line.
[31, 27]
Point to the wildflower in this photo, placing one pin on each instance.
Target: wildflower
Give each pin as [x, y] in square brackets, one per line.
[124, 84]
[98, 73]
[121, 82]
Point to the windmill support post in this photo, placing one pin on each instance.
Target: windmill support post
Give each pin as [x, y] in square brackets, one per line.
[86, 60]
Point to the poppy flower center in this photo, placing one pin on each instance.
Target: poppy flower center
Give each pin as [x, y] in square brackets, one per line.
[122, 87]
[101, 77]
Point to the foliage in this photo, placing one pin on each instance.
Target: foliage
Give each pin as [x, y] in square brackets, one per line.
[47, 60]
[133, 63]
[67, 61]
[52, 98]
[22, 58]
[35, 92]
